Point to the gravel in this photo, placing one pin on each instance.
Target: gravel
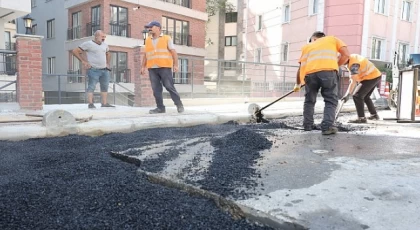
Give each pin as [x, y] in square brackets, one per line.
[233, 161]
[73, 183]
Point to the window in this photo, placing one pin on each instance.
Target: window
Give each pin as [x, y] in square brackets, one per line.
[377, 48]
[181, 77]
[403, 52]
[34, 29]
[258, 55]
[7, 40]
[231, 17]
[380, 6]
[284, 52]
[406, 10]
[313, 7]
[230, 41]
[76, 68]
[50, 28]
[230, 65]
[33, 3]
[51, 65]
[119, 21]
[76, 25]
[119, 68]
[95, 20]
[177, 29]
[259, 22]
[286, 14]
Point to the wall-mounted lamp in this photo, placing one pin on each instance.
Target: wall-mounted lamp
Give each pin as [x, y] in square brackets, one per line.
[28, 24]
[145, 33]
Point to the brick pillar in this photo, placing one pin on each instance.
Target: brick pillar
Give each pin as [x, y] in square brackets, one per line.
[29, 71]
[143, 93]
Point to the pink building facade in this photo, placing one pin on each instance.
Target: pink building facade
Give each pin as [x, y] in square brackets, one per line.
[372, 28]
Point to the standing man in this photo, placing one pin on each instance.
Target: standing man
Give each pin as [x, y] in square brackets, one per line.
[368, 76]
[97, 65]
[318, 70]
[159, 58]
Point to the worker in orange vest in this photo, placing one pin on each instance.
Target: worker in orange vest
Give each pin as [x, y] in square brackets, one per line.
[319, 70]
[368, 76]
[160, 58]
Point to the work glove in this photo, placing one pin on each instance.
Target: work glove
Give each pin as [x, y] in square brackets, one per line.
[296, 88]
[346, 98]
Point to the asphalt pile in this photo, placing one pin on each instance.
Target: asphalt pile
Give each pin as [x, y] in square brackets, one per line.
[233, 161]
[73, 183]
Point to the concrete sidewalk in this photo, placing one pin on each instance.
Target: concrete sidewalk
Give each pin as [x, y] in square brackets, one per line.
[16, 125]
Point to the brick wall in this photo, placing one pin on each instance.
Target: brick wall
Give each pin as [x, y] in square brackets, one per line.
[137, 19]
[29, 68]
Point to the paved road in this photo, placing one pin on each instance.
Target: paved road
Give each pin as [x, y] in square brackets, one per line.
[73, 183]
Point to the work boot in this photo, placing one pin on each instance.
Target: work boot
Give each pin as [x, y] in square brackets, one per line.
[91, 106]
[331, 130]
[180, 108]
[157, 110]
[374, 117]
[309, 127]
[107, 105]
[359, 120]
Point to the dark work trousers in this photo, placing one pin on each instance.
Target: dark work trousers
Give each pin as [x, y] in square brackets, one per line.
[362, 95]
[327, 82]
[159, 77]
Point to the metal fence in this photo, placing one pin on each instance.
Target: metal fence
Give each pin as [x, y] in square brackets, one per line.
[196, 78]
[7, 76]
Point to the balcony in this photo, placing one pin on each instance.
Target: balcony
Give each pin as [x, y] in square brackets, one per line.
[92, 27]
[184, 3]
[182, 78]
[121, 75]
[179, 38]
[8, 62]
[74, 33]
[120, 29]
[10, 46]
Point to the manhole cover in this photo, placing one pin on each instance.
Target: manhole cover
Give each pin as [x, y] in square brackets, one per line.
[320, 151]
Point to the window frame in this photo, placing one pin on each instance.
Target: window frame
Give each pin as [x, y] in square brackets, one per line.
[51, 29]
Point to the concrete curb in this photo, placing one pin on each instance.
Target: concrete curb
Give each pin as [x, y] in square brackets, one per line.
[28, 130]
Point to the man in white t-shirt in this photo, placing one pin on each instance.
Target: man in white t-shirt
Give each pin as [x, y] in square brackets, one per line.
[97, 65]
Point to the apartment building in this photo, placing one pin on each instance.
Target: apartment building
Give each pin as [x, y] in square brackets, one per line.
[276, 30]
[222, 43]
[66, 24]
[9, 11]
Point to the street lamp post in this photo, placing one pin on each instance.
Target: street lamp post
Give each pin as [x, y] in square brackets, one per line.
[145, 33]
[28, 23]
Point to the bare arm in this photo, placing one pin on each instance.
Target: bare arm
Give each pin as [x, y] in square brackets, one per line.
[77, 52]
[143, 61]
[344, 55]
[108, 58]
[298, 76]
[174, 57]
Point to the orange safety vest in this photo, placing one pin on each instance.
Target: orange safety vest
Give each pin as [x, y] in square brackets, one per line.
[317, 56]
[160, 55]
[367, 70]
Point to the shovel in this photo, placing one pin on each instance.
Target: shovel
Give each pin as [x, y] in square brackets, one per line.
[339, 107]
[256, 111]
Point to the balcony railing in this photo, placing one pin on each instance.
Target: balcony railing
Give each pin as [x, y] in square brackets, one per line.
[179, 38]
[182, 78]
[120, 29]
[184, 3]
[10, 46]
[74, 33]
[75, 76]
[8, 62]
[92, 27]
[121, 75]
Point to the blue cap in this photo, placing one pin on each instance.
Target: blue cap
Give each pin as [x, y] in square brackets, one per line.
[152, 23]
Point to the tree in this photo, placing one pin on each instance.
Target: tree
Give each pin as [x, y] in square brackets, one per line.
[213, 6]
